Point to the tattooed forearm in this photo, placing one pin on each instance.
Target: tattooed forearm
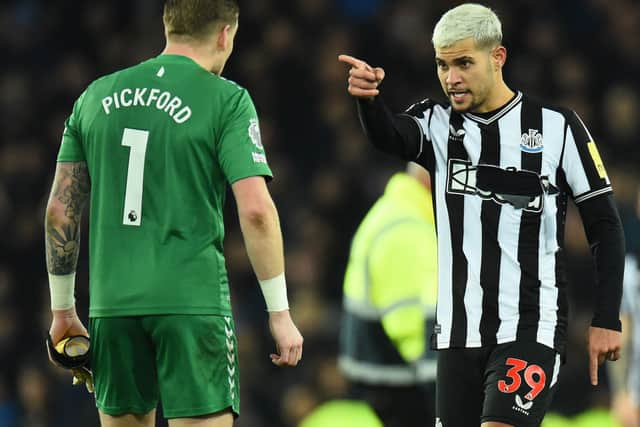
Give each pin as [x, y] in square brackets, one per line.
[69, 195]
[63, 248]
[71, 187]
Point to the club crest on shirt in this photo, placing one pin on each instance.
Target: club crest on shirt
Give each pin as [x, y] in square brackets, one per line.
[254, 133]
[531, 142]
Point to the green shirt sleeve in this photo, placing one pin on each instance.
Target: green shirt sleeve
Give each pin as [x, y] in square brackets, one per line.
[71, 149]
[240, 150]
[403, 268]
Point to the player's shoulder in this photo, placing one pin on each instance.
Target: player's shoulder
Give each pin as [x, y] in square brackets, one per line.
[108, 79]
[122, 72]
[566, 113]
[418, 109]
[230, 88]
[225, 87]
[230, 85]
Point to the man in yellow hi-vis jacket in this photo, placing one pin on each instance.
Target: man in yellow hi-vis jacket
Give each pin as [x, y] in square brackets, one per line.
[390, 291]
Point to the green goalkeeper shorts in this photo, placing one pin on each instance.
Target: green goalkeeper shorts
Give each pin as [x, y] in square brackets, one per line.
[188, 362]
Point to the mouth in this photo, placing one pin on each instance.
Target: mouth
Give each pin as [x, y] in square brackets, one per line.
[458, 96]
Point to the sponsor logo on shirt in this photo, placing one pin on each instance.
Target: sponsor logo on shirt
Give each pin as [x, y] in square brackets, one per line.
[456, 134]
[462, 180]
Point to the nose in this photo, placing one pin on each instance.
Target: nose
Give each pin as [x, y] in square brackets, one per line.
[453, 76]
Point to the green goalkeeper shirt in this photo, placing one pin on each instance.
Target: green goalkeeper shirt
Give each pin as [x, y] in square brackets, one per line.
[161, 141]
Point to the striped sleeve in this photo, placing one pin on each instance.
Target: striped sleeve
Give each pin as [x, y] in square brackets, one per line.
[421, 113]
[421, 110]
[582, 164]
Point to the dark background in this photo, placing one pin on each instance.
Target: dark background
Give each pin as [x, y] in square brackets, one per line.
[582, 54]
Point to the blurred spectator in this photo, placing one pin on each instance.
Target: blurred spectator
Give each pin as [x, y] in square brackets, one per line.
[36, 402]
[8, 407]
[390, 289]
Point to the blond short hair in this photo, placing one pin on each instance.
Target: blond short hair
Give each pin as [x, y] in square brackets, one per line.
[469, 20]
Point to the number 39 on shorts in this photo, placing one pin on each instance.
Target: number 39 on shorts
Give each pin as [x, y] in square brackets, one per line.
[534, 377]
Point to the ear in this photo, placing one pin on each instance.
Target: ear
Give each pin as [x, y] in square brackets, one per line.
[499, 56]
[224, 37]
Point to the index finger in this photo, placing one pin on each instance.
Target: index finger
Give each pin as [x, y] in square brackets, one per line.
[593, 368]
[355, 62]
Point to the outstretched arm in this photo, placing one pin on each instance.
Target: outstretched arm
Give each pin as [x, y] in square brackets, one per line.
[394, 134]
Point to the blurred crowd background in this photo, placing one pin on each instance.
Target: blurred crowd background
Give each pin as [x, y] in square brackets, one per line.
[582, 54]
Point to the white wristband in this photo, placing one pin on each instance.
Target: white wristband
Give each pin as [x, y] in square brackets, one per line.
[274, 291]
[61, 289]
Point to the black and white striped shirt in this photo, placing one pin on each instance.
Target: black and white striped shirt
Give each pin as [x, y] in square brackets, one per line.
[500, 272]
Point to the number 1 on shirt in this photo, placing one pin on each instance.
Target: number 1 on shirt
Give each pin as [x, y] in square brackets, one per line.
[136, 140]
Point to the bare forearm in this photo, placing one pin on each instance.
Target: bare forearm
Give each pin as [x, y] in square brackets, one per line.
[263, 240]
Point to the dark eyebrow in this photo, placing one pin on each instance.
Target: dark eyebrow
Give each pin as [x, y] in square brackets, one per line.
[456, 61]
[463, 59]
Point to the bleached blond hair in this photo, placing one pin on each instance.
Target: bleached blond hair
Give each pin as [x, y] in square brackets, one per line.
[465, 21]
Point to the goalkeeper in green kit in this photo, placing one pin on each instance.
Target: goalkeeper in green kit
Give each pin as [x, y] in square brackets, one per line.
[153, 148]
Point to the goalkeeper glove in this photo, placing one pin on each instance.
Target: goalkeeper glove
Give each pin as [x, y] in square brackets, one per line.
[73, 353]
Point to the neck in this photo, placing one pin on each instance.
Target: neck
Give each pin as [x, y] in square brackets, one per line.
[200, 54]
[502, 94]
